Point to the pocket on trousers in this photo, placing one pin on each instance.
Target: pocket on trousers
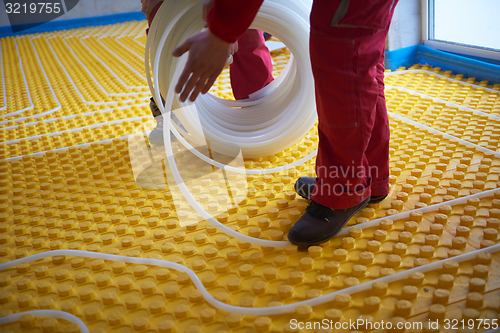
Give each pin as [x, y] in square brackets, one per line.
[369, 14]
[333, 63]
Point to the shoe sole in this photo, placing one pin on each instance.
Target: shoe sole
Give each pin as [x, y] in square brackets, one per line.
[329, 236]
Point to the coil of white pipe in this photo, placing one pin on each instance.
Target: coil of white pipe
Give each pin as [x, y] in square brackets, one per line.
[181, 19]
[275, 117]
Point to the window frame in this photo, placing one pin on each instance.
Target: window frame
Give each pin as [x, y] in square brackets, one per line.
[428, 32]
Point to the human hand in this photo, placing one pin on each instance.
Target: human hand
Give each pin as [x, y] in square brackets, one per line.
[207, 57]
[148, 6]
[233, 48]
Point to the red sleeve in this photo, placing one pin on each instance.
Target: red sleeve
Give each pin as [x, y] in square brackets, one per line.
[229, 19]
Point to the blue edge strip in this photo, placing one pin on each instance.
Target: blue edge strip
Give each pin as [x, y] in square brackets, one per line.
[405, 57]
[420, 54]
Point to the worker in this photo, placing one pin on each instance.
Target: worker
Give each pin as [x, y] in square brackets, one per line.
[250, 71]
[347, 42]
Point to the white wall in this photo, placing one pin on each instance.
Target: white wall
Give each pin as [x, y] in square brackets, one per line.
[89, 8]
[406, 26]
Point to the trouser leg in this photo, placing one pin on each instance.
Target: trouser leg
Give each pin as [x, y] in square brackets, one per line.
[252, 67]
[345, 59]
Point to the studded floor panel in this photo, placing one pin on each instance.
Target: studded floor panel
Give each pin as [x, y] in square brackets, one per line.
[426, 259]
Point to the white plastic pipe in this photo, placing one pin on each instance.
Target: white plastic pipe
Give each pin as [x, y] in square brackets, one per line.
[463, 83]
[76, 88]
[46, 313]
[423, 210]
[3, 81]
[264, 311]
[447, 103]
[444, 135]
[25, 84]
[274, 118]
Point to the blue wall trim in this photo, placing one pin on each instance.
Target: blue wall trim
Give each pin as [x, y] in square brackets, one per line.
[6, 31]
[420, 54]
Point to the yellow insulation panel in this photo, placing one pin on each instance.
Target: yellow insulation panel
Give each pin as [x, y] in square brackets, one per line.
[68, 181]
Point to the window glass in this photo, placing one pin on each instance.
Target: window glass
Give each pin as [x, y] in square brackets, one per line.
[469, 22]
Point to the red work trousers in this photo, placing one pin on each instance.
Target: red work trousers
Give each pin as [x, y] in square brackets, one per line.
[252, 67]
[347, 56]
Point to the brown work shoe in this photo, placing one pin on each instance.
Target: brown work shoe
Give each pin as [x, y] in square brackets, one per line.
[320, 223]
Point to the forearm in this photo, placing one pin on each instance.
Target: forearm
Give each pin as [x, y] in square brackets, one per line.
[229, 19]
